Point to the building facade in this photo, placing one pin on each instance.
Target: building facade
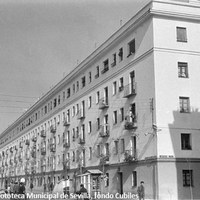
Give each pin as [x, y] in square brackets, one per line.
[127, 113]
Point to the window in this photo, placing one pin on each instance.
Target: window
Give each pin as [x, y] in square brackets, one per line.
[120, 54]
[181, 34]
[185, 141]
[116, 146]
[98, 150]
[73, 111]
[74, 88]
[187, 178]
[58, 99]
[73, 134]
[131, 48]
[107, 180]
[122, 145]
[121, 84]
[184, 104]
[73, 156]
[97, 97]
[115, 117]
[83, 81]
[134, 178]
[98, 123]
[182, 70]
[107, 152]
[63, 96]
[97, 74]
[106, 66]
[122, 114]
[77, 86]
[77, 109]
[113, 60]
[89, 127]
[90, 77]
[89, 102]
[114, 88]
[90, 153]
[68, 92]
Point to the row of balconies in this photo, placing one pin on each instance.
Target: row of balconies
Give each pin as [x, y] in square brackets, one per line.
[129, 156]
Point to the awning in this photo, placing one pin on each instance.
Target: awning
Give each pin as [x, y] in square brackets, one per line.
[92, 171]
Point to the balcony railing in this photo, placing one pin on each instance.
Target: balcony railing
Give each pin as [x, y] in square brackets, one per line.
[104, 130]
[43, 168]
[81, 140]
[105, 69]
[130, 155]
[43, 133]
[66, 164]
[103, 103]
[34, 139]
[81, 114]
[130, 90]
[66, 122]
[104, 159]
[66, 143]
[130, 122]
[53, 129]
[27, 142]
[43, 151]
[52, 147]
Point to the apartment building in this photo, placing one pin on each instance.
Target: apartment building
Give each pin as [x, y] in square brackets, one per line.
[127, 113]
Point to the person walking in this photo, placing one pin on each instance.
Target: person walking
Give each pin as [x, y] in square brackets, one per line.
[22, 189]
[45, 187]
[11, 187]
[31, 186]
[16, 188]
[141, 191]
[83, 191]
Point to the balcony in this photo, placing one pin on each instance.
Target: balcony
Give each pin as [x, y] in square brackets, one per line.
[104, 130]
[130, 123]
[66, 143]
[66, 122]
[130, 90]
[43, 151]
[130, 155]
[33, 154]
[104, 159]
[53, 129]
[66, 164]
[81, 114]
[43, 133]
[52, 147]
[20, 158]
[103, 103]
[96, 76]
[27, 142]
[43, 168]
[11, 150]
[105, 69]
[34, 139]
[20, 145]
[33, 170]
[81, 140]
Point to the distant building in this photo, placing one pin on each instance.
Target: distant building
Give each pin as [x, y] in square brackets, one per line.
[128, 112]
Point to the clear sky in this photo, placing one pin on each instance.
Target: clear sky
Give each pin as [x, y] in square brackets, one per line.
[43, 40]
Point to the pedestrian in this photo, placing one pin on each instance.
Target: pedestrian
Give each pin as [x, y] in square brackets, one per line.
[31, 186]
[16, 188]
[45, 187]
[141, 191]
[22, 189]
[83, 191]
[11, 187]
[51, 186]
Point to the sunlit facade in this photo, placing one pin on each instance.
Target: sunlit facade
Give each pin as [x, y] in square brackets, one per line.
[127, 113]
